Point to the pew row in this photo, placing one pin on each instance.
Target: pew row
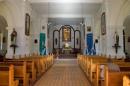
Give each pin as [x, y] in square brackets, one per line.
[7, 76]
[20, 72]
[101, 70]
[90, 65]
[126, 80]
[34, 67]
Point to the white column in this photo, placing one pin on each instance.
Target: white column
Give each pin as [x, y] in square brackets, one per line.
[9, 49]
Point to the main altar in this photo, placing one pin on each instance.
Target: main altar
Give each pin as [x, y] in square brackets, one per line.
[66, 49]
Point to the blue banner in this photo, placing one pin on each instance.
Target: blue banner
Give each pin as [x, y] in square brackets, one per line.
[89, 41]
[42, 42]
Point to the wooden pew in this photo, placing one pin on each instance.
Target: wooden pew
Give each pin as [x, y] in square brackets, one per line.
[7, 76]
[124, 67]
[113, 78]
[42, 63]
[91, 66]
[31, 70]
[126, 80]
[36, 64]
[98, 60]
[20, 72]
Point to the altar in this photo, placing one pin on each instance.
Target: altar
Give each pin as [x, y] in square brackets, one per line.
[66, 51]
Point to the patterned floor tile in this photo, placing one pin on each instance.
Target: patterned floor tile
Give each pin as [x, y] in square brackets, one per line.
[64, 73]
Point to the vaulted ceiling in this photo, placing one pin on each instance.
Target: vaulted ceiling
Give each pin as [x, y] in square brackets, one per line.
[66, 8]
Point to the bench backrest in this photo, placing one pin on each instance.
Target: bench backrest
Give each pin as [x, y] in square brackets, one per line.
[7, 75]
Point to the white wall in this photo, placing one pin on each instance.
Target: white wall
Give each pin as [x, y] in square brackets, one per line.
[115, 15]
[89, 22]
[38, 22]
[14, 12]
[127, 34]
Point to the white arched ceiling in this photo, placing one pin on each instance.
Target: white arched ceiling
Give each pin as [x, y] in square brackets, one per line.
[66, 1]
[127, 21]
[12, 13]
[3, 33]
[56, 9]
[3, 22]
[124, 12]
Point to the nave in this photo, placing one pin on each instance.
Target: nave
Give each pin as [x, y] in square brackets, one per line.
[65, 72]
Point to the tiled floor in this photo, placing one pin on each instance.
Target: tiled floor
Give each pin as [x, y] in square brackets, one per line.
[64, 73]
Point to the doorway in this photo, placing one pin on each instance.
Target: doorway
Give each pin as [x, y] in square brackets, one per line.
[126, 36]
[3, 37]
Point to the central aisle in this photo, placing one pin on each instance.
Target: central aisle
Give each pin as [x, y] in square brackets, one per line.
[64, 73]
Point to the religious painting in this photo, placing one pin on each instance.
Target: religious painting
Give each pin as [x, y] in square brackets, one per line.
[27, 24]
[66, 34]
[103, 24]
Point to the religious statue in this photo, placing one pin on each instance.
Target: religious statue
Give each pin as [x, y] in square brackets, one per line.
[13, 39]
[116, 45]
[116, 38]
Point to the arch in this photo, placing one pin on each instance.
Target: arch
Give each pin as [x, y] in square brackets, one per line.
[119, 22]
[126, 35]
[79, 37]
[3, 22]
[54, 39]
[70, 29]
[126, 21]
[3, 34]
[14, 15]
[123, 13]
[67, 26]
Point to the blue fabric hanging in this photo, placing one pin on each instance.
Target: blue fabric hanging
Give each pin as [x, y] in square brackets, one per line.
[89, 42]
[42, 42]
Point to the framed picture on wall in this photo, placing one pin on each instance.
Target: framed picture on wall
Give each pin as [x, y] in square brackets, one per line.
[103, 24]
[27, 24]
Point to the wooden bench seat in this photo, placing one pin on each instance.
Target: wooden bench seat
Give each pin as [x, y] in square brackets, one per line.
[114, 78]
[7, 76]
[89, 66]
[126, 80]
[35, 66]
[30, 68]
[20, 71]
[124, 67]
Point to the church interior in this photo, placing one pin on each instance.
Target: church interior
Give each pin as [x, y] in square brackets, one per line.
[64, 43]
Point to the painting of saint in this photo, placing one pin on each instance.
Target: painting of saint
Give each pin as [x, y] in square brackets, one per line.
[27, 24]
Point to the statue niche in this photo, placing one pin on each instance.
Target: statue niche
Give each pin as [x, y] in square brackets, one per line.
[66, 34]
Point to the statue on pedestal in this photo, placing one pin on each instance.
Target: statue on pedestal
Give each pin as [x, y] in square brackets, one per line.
[13, 37]
[13, 40]
[116, 45]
